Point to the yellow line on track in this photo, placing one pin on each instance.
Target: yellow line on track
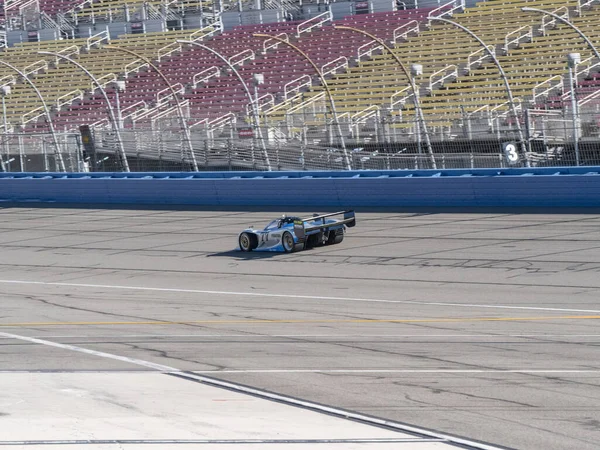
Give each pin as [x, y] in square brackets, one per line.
[278, 321]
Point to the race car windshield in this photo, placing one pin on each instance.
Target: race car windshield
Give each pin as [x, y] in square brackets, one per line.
[273, 224]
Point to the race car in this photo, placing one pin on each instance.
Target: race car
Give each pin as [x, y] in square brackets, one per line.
[288, 234]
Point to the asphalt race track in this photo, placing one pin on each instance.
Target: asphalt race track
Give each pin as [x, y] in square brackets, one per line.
[485, 326]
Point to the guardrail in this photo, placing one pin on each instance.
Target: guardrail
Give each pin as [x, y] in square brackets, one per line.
[478, 56]
[335, 65]
[8, 79]
[583, 4]
[97, 39]
[296, 85]
[545, 87]
[104, 81]
[507, 108]
[32, 115]
[447, 9]
[133, 110]
[202, 33]
[168, 50]
[68, 98]
[403, 31]
[305, 104]
[205, 75]
[274, 43]
[401, 97]
[135, 66]
[368, 49]
[241, 57]
[165, 94]
[549, 22]
[36, 67]
[447, 73]
[70, 51]
[551, 188]
[517, 36]
[261, 103]
[313, 22]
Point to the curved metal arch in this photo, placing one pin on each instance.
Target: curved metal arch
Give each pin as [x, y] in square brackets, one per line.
[111, 112]
[325, 85]
[504, 79]
[57, 150]
[183, 122]
[253, 101]
[568, 23]
[411, 81]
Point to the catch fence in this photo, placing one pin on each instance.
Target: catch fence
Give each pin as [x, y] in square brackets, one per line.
[299, 141]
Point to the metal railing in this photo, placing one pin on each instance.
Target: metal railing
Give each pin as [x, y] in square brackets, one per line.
[205, 75]
[544, 88]
[549, 22]
[521, 34]
[447, 9]
[294, 86]
[478, 57]
[403, 31]
[274, 43]
[241, 57]
[368, 49]
[314, 22]
[441, 76]
[401, 97]
[69, 98]
[97, 39]
[335, 65]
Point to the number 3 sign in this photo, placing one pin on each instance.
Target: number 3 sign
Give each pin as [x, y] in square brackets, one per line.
[510, 153]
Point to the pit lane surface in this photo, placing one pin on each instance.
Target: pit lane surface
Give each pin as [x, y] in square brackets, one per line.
[479, 325]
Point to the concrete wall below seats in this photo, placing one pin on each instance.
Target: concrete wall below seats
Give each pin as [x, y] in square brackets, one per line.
[547, 188]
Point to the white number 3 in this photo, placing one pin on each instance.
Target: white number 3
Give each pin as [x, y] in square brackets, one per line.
[510, 151]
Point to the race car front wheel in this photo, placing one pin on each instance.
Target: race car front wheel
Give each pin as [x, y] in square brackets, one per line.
[288, 241]
[246, 242]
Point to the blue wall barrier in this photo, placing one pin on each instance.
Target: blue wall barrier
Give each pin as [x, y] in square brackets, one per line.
[525, 187]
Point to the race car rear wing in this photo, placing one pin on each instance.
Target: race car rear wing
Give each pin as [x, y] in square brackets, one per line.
[349, 220]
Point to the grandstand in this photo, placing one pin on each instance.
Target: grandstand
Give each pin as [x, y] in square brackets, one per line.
[460, 92]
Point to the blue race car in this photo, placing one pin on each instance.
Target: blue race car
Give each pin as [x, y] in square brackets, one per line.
[289, 234]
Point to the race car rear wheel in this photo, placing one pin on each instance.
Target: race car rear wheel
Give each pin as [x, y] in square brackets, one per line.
[335, 237]
[247, 242]
[288, 241]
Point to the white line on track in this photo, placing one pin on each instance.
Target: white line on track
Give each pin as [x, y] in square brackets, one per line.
[292, 296]
[308, 336]
[257, 392]
[408, 371]
[74, 348]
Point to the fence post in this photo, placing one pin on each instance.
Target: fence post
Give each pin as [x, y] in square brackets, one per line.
[302, 159]
[6, 151]
[22, 151]
[304, 134]
[527, 130]
[229, 149]
[544, 139]
[22, 156]
[418, 137]
[70, 151]
[206, 149]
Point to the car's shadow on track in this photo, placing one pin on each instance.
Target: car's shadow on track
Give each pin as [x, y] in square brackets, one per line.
[238, 254]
